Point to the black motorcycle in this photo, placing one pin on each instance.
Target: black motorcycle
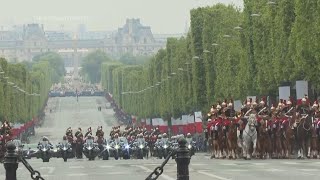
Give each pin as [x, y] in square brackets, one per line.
[90, 149]
[192, 147]
[141, 149]
[163, 149]
[116, 149]
[64, 150]
[105, 150]
[45, 152]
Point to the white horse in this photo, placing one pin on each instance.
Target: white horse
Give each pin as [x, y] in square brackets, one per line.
[250, 136]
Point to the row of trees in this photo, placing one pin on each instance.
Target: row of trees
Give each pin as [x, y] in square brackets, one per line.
[227, 53]
[24, 87]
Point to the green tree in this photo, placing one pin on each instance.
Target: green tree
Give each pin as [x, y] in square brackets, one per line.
[91, 65]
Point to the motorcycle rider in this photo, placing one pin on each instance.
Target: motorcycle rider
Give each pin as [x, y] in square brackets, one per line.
[89, 132]
[45, 140]
[69, 132]
[99, 132]
[79, 133]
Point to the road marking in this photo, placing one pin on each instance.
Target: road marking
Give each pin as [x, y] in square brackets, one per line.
[238, 170]
[149, 170]
[200, 164]
[309, 170]
[212, 175]
[228, 164]
[79, 174]
[290, 163]
[76, 167]
[117, 173]
[260, 164]
[274, 170]
[106, 166]
[51, 169]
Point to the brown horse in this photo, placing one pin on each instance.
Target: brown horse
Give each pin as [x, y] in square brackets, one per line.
[232, 139]
[276, 138]
[287, 138]
[264, 140]
[304, 136]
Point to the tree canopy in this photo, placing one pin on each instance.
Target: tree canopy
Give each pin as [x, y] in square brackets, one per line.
[91, 65]
[227, 53]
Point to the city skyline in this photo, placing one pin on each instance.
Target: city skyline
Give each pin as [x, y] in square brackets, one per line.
[105, 15]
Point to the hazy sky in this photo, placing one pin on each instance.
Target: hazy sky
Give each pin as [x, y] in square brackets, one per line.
[164, 16]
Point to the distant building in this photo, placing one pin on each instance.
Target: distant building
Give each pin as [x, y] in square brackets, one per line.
[22, 43]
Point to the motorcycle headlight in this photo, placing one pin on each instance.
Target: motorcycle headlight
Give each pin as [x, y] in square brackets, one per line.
[117, 147]
[189, 146]
[108, 147]
[127, 146]
[165, 146]
[141, 146]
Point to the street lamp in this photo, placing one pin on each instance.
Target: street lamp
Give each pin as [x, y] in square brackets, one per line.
[227, 36]
[180, 69]
[206, 51]
[173, 73]
[271, 3]
[195, 57]
[238, 28]
[255, 15]
[11, 83]
[214, 44]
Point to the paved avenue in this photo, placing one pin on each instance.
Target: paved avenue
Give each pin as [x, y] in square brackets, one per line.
[70, 113]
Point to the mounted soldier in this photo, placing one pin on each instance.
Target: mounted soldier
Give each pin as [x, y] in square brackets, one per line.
[89, 132]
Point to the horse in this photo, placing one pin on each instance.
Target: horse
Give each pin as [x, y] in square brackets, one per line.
[276, 137]
[304, 136]
[250, 136]
[264, 140]
[232, 139]
[287, 138]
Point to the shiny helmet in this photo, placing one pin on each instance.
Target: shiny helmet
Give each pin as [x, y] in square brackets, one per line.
[164, 135]
[189, 135]
[159, 136]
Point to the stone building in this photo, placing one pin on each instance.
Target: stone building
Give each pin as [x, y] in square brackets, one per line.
[133, 37]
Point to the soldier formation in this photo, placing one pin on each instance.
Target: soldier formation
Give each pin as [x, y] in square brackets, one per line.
[281, 122]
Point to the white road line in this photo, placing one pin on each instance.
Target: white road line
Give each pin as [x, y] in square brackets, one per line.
[212, 175]
[273, 170]
[201, 164]
[163, 176]
[106, 166]
[290, 163]
[238, 170]
[51, 169]
[76, 167]
[79, 174]
[260, 164]
[228, 164]
[309, 170]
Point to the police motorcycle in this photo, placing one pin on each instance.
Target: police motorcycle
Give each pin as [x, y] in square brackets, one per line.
[64, 149]
[45, 149]
[106, 149]
[163, 146]
[191, 144]
[140, 147]
[90, 148]
[19, 146]
[116, 147]
[126, 148]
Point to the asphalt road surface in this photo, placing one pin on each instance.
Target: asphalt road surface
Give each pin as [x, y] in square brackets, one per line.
[70, 113]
